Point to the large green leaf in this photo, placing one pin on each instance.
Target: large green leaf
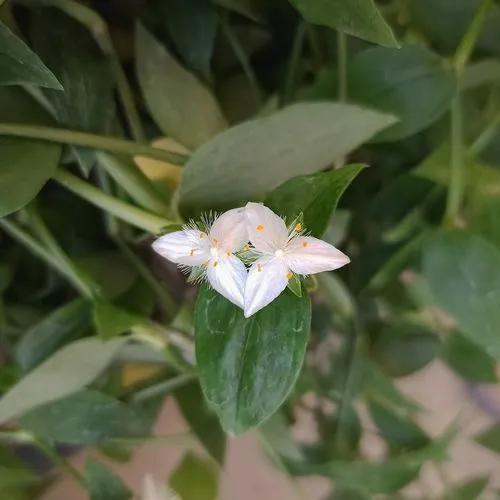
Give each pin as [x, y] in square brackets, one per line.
[192, 25]
[67, 371]
[412, 83]
[69, 50]
[202, 421]
[315, 196]
[247, 367]
[87, 417]
[360, 18]
[251, 159]
[179, 103]
[463, 271]
[25, 164]
[195, 479]
[64, 324]
[20, 65]
[103, 484]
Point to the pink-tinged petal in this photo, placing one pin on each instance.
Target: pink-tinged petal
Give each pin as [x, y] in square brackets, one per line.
[228, 276]
[266, 231]
[267, 278]
[189, 247]
[308, 255]
[229, 230]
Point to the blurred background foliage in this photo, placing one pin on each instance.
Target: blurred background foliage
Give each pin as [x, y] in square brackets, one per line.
[120, 119]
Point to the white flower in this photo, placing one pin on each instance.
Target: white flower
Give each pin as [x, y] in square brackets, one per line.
[281, 253]
[213, 251]
[154, 490]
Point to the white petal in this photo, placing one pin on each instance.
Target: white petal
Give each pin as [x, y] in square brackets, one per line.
[308, 255]
[266, 280]
[230, 230]
[228, 275]
[266, 231]
[188, 247]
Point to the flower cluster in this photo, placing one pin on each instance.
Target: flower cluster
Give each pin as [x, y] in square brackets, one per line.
[276, 252]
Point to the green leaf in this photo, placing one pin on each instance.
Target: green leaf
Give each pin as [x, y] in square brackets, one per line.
[111, 321]
[62, 325]
[103, 484]
[195, 479]
[248, 367]
[67, 371]
[490, 438]
[250, 159]
[295, 285]
[87, 417]
[395, 429]
[25, 164]
[20, 65]
[389, 80]
[316, 196]
[70, 51]
[468, 360]
[463, 271]
[359, 18]
[193, 24]
[179, 103]
[202, 421]
[467, 491]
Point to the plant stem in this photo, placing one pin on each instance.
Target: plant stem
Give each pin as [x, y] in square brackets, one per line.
[101, 142]
[134, 182]
[243, 59]
[129, 213]
[86, 285]
[342, 65]
[485, 137]
[34, 246]
[468, 42]
[315, 45]
[291, 77]
[99, 29]
[162, 388]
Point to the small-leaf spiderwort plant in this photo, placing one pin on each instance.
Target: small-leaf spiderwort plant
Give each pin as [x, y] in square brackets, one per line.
[254, 234]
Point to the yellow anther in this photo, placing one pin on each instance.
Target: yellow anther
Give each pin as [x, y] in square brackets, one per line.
[202, 235]
[304, 244]
[205, 264]
[298, 227]
[260, 228]
[259, 268]
[246, 248]
[289, 275]
[228, 254]
[216, 242]
[216, 263]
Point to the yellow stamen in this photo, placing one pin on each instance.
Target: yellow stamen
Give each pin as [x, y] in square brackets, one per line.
[259, 268]
[304, 244]
[246, 248]
[260, 228]
[298, 227]
[216, 242]
[202, 235]
[289, 275]
[228, 254]
[215, 264]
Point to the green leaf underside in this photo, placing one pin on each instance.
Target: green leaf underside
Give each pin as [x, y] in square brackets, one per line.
[67, 371]
[360, 18]
[247, 367]
[249, 160]
[20, 65]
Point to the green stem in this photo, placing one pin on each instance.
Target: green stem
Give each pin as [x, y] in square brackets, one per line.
[41, 252]
[468, 42]
[456, 187]
[101, 142]
[485, 137]
[342, 65]
[87, 287]
[133, 215]
[315, 45]
[293, 64]
[162, 388]
[165, 302]
[99, 29]
[243, 59]
[134, 182]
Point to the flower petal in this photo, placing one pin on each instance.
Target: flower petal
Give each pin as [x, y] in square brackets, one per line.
[228, 275]
[266, 231]
[266, 280]
[189, 247]
[230, 230]
[308, 255]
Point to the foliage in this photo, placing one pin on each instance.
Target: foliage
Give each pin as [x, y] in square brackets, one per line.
[373, 124]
